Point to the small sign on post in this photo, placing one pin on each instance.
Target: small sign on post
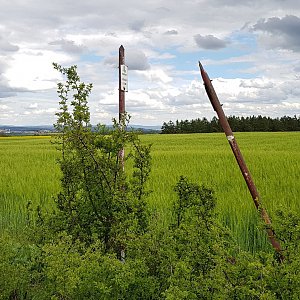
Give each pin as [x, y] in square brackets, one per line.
[124, 78]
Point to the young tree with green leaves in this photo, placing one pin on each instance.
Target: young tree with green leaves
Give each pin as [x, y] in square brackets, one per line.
[98, 198]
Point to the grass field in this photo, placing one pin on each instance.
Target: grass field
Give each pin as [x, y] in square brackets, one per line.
[28, 172]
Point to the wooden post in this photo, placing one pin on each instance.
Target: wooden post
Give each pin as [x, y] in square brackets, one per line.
[121, 89]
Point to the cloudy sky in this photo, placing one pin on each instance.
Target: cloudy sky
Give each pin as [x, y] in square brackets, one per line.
[250, 48]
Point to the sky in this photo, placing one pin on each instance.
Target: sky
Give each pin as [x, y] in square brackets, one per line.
[250, 49]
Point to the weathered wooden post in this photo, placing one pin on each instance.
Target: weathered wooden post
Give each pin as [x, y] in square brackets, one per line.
[239, 158]
[123, 87]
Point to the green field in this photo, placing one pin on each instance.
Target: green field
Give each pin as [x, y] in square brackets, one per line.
[28, 172]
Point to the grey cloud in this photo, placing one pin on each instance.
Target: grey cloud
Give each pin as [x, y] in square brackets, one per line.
[3, 67]
[274, 95]
[235, 3]
[111, 61]
[297, 69]
[6, 94]
[5, 90]
[287, 25]
[291, 88]
[209, 42]
[171, 32]
[253, 3]
[162, 10]
[5, 46]
[137, 25]
[68, 46]
[284, 32]
[268, 92]
[135, 60]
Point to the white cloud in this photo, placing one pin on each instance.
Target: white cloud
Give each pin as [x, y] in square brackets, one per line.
[33, 70]
[157, 75]
[32, 106]
[3, 107]
[50, 110]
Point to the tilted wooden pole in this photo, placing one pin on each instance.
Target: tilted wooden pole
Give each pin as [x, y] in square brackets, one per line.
[239, 158]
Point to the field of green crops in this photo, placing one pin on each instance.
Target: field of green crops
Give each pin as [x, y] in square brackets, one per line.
[28, 172]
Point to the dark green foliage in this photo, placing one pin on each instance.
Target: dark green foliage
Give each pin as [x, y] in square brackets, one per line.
[14, 269]
[253, 123]
[286, 276]
[195, 199]
[199, 243]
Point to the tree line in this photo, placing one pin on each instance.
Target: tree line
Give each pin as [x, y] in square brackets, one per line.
[242, 124]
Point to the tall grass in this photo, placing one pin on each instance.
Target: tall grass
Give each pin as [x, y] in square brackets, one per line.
[273, 160]
[28, 172]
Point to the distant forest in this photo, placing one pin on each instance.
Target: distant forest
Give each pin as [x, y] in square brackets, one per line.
[253, 123]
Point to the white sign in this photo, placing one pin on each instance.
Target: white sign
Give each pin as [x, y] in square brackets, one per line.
[124, 78]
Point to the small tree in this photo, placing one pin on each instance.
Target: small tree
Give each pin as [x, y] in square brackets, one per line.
[98, 198]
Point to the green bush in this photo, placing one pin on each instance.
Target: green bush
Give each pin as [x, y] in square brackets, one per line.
[15, 262]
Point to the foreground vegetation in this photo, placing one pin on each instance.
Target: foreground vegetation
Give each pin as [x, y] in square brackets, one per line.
[102, 240]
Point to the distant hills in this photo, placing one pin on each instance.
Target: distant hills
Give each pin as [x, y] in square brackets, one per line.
[26, 128]
[47, 129]
[146, 128]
